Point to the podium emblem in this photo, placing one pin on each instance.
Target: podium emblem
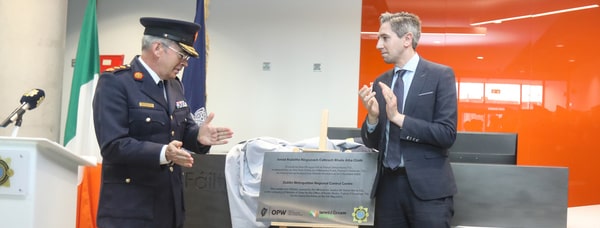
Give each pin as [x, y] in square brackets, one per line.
[5, 172]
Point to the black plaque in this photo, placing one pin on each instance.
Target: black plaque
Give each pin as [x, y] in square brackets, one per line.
[205, 193]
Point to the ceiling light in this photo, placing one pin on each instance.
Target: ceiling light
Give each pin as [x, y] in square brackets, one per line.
[439, 31]
[498, 21]
[454, 31]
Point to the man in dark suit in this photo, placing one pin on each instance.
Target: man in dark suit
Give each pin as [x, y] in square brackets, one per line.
[411, 120]
[145, 131]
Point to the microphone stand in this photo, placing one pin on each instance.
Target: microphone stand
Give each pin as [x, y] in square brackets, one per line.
[18, 123]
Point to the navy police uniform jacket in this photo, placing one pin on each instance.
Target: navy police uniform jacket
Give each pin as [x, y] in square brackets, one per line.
[133, 121]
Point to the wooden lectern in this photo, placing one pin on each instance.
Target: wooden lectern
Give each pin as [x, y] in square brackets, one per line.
[38, 183]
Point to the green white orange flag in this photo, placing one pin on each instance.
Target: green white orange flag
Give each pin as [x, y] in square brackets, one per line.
[79, 136]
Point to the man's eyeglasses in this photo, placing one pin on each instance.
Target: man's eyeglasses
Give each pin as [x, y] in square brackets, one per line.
[181, 55]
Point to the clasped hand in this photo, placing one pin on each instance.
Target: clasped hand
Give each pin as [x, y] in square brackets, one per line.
[367, 96]
[176, 154]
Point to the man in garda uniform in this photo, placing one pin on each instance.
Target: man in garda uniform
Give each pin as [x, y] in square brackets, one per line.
[145, 131]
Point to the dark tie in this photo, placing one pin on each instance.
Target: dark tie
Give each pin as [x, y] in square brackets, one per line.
[166, 84]
[393, 156]
[162, 84]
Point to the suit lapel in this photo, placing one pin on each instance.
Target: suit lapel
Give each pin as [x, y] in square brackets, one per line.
[148, 86]
[416, 86]
[389, 78]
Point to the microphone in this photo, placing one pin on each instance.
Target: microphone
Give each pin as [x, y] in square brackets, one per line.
[29, 100]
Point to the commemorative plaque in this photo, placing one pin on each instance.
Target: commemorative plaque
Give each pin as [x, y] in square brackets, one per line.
[318, 187]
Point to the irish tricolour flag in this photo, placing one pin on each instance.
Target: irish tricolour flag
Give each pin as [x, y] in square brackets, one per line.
[79, 136]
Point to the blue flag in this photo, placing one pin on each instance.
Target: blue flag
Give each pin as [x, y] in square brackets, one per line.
[194, 75]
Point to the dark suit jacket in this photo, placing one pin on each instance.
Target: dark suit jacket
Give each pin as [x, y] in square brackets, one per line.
[133, 121]
[429, 129]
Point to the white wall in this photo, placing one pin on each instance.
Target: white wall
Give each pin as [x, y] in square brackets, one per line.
[285, 102]
[31, 46]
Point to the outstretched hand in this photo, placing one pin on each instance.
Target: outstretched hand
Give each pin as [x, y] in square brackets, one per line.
[209, 135]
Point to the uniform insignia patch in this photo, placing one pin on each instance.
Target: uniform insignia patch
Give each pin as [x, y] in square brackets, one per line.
[138, 76]
[180, 104]
[117, 68]
[146, 105]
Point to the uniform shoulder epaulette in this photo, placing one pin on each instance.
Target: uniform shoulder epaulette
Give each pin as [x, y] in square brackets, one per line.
[118, 68]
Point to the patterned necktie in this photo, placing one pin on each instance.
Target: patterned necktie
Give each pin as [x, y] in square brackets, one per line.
[393, 156]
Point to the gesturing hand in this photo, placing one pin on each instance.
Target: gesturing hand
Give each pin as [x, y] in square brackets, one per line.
[210, 135]
[367, 96]
[178, 155]
[391, 106]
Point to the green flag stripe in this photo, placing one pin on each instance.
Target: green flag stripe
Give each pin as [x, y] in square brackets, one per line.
[87, 63]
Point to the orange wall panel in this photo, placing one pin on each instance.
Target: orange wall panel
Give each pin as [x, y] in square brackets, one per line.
[536, 76]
